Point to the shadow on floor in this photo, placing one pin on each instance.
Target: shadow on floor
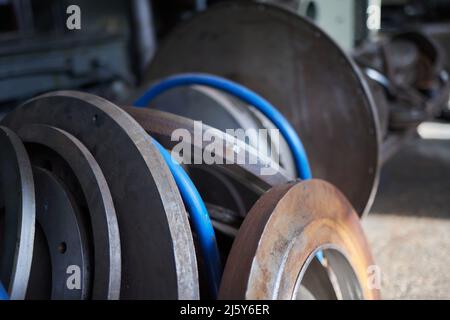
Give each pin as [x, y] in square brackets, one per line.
[416, 181]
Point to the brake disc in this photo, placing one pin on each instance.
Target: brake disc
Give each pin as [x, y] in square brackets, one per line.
[223, 111]
[235, 158]
[158, 257]
[59, 217]
[17, 210]
[291, 225]
[237, 184]
[105, 230]
[301, 71]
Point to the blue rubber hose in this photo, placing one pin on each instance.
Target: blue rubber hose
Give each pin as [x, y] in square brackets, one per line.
[199, 217]
[246, 95]
[3, 293]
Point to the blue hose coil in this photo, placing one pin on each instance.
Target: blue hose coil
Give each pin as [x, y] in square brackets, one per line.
[191, 197]
[246, 95]
[199, 217]
[3, 293]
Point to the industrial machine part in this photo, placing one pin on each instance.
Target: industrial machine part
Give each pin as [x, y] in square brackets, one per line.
[410, 67]
[290, 226]
[161, 125]
[223, 111]
[58, 215]
[247, 96]
[107, 203]
[17, 214]
[97, 198]
[131, 166]
[297, 68]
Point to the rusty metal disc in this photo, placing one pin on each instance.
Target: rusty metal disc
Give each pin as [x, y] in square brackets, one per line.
[17, 214]
[282, 235]
[158, 257]
[301, 71]
[99, 202]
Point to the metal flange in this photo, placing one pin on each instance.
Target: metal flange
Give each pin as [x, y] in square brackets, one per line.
[100, 206]
[161, 125]
[288, 227]
[237, 184]
[300, 70]
[158, 257]
[65, 236]
[224, 111]
[18, 212]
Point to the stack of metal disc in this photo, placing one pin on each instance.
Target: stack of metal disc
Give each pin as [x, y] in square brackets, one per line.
[90, 208]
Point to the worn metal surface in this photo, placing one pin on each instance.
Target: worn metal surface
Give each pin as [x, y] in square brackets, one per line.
[103, 219]
[225, 112]
[162, 124]
[301, 71]
[158, 257]
[58, 215]
[286, 225]
[18, 212]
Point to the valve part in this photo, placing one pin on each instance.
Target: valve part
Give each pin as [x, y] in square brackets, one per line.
[18, 212]
[289, 226]
[299, 69]
[105, 229]
[158, 257]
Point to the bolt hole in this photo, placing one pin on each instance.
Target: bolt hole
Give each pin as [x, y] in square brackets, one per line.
[62, 247]
[95, 119]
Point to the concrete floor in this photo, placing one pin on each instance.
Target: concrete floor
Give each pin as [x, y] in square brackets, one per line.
[409, 226]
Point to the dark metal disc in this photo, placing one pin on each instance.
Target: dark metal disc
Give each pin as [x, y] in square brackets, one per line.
[58, 216]
[107, 260]
[17, 202]
[301, 71]
[158, 257]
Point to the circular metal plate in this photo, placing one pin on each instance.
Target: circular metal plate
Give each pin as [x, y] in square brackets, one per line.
[158, 257]
[287, 225]
[162, 125]
[59, 217]
[301, 71]
[223, 111]
[107, 261]
[17, 202]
